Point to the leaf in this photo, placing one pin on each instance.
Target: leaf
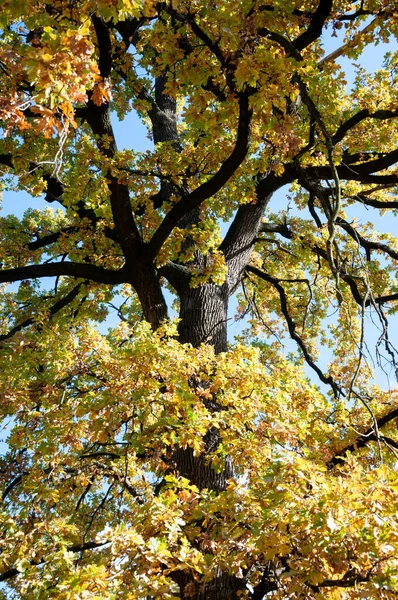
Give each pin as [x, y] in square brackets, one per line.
[101, 93]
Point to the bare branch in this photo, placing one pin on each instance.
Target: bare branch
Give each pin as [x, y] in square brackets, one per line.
[342, 49]
[292, 328]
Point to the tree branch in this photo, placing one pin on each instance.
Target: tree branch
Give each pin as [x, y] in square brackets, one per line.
[53, 193]
[104, 46]
[51, 238]
[99, 120]
[54, 309]
[360, 172]
[367, 244]
[358, 118]
[316, 25]
[292, 328]
[80, 270]
[340, 51]
[74, 548]
[16, 481]
[364, 438]
[54, 188]
[288, 46]
[281, 228]
[266, 585]
[199, 32]
[365, 199]
[350, 579]
[210, 187]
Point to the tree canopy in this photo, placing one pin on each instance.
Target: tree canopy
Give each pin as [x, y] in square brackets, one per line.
[155, 458]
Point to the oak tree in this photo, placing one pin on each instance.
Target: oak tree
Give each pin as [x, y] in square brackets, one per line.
[155, 458]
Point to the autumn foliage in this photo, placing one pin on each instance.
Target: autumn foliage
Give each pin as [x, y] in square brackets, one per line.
[148, 456]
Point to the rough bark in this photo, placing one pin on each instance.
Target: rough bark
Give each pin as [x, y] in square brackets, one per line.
[203, 314]
[222, 587]
[146, 283]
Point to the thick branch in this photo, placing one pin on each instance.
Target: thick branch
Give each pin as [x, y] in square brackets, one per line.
[281, 228]
[54, 189]
[199, 32]
[51, 238]
[367, 244]
[9, 574]
[16, 481]
[350, 579]
[210, 187]
[371, 166]
[104, 46]
[163, 114]
[6, 160]
[53, 193]
[80, 270]
[266, 585]
[242, 233]
[387, 298]
[316, 25]
[176, 274]
[268, 184]
[288, 46]
[99, 120]
[360, 172]
[365, 199]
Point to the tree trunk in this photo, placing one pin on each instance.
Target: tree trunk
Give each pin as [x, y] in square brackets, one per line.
[203, 313]
[203, 320]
